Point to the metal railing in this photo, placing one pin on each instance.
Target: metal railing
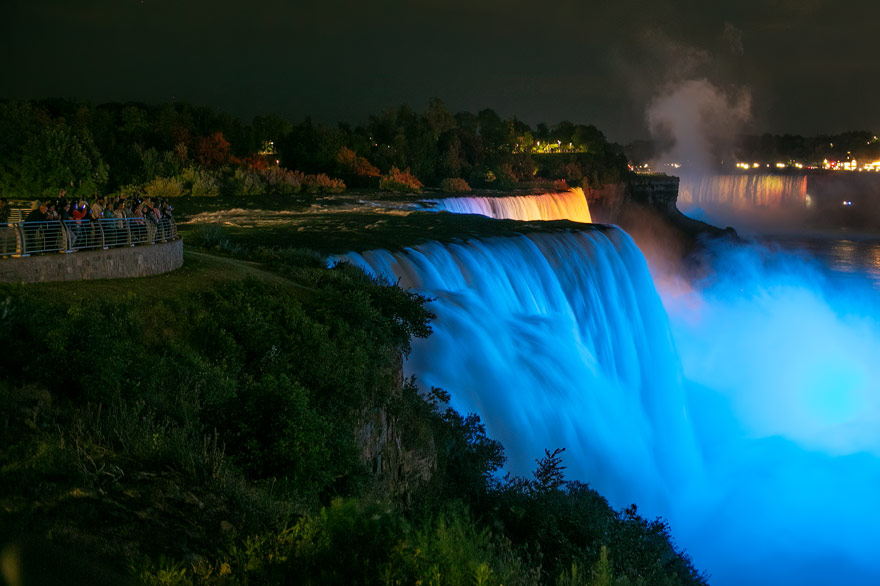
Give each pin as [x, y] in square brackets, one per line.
[27, 238]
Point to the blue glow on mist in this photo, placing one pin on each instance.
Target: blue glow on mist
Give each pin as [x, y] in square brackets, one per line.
[747, 412]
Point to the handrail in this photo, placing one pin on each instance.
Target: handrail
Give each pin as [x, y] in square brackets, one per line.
[26, 238]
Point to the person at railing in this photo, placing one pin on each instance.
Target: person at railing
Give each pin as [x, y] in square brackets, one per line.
[34, 236]
[78, 214]
[52, 228]
[138, 225]
[118, 215]
[98, 208]
[166, 218]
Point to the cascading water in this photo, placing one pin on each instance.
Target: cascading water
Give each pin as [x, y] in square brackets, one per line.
[556, 340]
[764, 456]
[563, 205]
[751, 203]
[743, 191]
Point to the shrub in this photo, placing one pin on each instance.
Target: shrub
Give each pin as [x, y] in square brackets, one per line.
[164, 187]
[321, 183]
[398, 181]
[271, 430]
[283, 181]
[505, 177]
[199, 182]
[454, 185]
[248, 181]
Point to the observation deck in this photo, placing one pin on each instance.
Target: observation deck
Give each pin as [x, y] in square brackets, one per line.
[73, 250]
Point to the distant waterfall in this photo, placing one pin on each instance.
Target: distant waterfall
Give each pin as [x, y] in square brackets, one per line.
[563, 205]
[556, 340]
[743, 191]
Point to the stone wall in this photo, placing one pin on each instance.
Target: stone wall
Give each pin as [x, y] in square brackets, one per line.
[114, 263]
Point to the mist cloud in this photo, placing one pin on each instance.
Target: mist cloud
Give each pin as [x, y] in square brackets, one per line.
[699, 121]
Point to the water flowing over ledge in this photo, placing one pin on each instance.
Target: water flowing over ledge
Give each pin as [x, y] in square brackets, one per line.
[564, 205]
[555, 340]
[738, 191]
[560, 340]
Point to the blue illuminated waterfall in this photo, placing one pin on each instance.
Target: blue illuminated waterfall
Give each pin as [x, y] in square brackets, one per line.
[748, 415]
[556, 340]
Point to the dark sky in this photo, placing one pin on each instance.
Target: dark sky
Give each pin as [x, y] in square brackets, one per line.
[810, 66]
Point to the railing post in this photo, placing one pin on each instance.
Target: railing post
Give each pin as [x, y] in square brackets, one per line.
[19, 240]
[101, 228]
[65, 237]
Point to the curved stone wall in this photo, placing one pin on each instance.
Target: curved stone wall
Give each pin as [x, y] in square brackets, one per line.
[114, 263]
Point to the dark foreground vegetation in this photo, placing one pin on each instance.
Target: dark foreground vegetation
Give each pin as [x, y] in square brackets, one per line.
[244, 421]
[175, 149]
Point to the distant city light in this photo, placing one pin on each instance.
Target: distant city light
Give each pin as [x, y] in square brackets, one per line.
[848, 165]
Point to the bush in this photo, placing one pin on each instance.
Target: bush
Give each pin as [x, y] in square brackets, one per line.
[164, 187]
[247, 181]
[454, 185]
[271, 430]
[321, 183]
[398, 181]
[505, 177]
[199, 182]
[281, 181]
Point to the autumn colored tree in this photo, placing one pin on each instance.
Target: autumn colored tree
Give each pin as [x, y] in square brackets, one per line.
[212, 151]
[353, 164]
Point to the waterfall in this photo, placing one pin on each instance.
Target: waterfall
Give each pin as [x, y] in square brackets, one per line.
[743, 191]
[765, 458]
[556, 340]
[564, 205]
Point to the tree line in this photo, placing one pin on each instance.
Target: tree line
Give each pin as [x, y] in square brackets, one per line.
[181, 149]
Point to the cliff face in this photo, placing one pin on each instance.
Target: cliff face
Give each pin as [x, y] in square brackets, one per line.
[645, 207]
[396, 445]
[660, 193]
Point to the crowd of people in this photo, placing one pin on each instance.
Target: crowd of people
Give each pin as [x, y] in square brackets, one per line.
[109, 222]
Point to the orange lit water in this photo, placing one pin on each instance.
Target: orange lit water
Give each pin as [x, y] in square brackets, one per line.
[564, 205]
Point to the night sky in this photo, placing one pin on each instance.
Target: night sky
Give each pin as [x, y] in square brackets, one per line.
[809, 66]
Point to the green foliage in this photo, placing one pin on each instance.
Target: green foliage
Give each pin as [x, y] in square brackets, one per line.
[271, 430]
[199, 182]
[51, 144]
[247, 181]
[164, 187]
[60, 157]
[549, 475]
